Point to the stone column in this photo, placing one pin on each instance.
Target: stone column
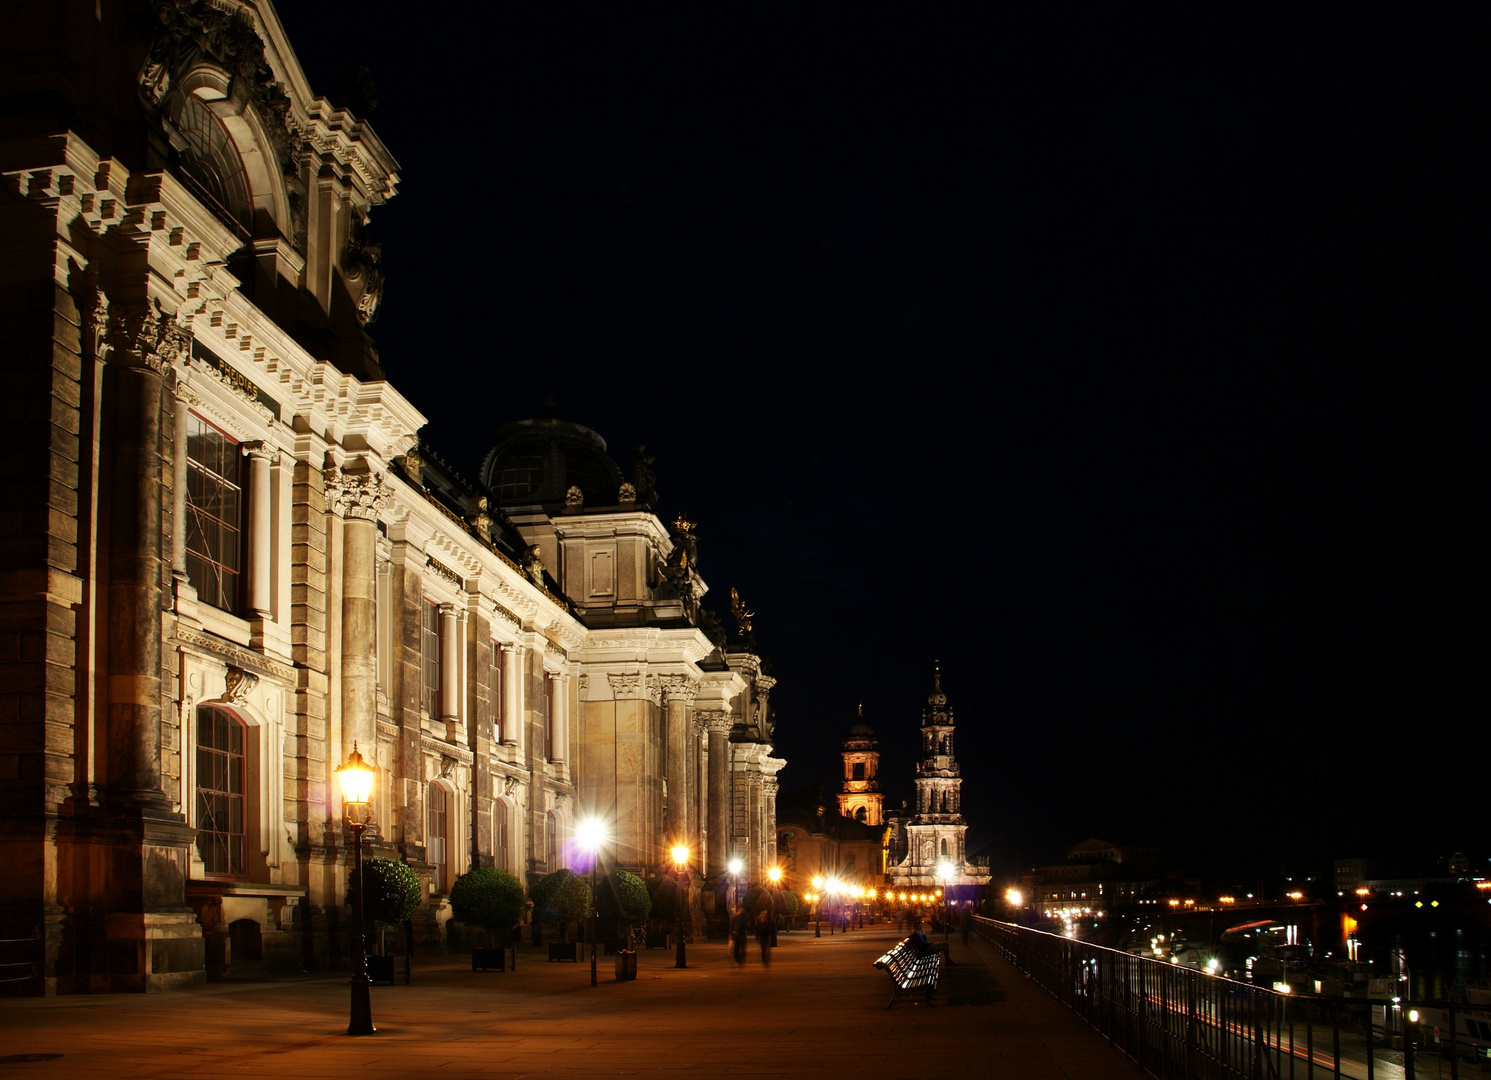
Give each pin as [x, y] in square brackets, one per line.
[559, 717]
[512, 718]
[358, 496]
[450, 672]
[261, 457]
[179, 481]
[718, 725]
[134, 622]
[678, 694]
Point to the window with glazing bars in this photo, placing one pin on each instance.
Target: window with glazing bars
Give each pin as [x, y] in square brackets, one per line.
[220, 792]
[429, 649]
[214, 514]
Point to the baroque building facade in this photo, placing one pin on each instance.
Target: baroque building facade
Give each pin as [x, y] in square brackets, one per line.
[228, 559]
[932, 839]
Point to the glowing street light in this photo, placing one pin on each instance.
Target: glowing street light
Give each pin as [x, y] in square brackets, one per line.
[681, 867]
[591, 834]
[735, 866]
[818, 884]
[356, 781]
[945, 875]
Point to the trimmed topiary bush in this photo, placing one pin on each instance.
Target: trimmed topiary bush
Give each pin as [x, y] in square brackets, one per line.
[488, 898]
[664, 891]
[390, 894]
[561, 898]
[623, 896]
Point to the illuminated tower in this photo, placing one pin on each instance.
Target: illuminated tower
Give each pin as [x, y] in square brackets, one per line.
[861, 798]
[935, 833]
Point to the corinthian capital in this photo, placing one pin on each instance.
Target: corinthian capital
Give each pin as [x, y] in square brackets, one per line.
[714, 720]
[262, 451]
[625, 686]
[356, 494]
[678, 688]
[146, 335]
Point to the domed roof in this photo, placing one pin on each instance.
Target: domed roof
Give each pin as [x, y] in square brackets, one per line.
[535, 462]
[861, 734]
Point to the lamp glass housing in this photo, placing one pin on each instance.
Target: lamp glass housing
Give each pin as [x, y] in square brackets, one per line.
[356, 781]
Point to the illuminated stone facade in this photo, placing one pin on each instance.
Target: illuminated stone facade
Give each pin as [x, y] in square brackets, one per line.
[227, 557]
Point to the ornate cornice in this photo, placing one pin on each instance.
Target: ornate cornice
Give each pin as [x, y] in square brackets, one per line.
[236, 655]
[440, 570]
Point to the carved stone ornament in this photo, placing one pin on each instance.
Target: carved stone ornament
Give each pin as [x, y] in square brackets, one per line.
[240, 684]
[654, 691]
[447, 766]
[533, 566]
[146, 335]
[509, 785]
[574, 498]
[625, 686]
[480, 519]
[627, 496]
[584, 687]
[356, 495]
[261, 450]
[714, 720]
[678, 688]
[413, 465]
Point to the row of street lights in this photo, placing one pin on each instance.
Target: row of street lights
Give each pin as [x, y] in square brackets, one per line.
[355, 779]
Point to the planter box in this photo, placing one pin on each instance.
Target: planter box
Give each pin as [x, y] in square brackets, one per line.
[626, 965]
[487, 959]
[564, 950]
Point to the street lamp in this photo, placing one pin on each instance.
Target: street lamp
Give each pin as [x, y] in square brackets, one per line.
[736, 866]
[591, 834]
[356, 780]
[945, 875]
[818, 906]
[681, 867]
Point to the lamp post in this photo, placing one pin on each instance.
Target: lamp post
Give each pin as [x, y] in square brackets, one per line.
[945, 875]
[591, 835]
[356, 780]
[818, 906]
[681, 867]
[774, 875]
[736, 866]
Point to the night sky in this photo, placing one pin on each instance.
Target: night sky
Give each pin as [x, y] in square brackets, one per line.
[1126, 361]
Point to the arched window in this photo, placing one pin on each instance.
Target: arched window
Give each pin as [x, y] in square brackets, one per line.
[221, 783]
[501, 824]
[439, 833]
[944, 845]
[551, 842]
[861, 814]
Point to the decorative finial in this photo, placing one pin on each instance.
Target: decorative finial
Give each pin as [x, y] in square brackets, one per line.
[861, 709]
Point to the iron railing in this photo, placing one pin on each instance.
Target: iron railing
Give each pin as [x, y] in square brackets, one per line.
[1175, 1022]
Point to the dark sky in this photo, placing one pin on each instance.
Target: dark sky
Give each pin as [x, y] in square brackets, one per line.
[1127, 362]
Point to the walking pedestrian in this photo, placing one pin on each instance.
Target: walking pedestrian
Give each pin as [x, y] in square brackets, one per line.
[764, 930]
[738, 928]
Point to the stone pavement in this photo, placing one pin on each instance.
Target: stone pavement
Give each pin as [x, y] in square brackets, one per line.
[818, 1010]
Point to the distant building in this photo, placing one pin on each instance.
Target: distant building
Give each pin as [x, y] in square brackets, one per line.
[935, 834]
[815, 840]
[861, 798]
[1098, 875]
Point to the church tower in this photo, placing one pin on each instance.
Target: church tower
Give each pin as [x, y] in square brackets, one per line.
[935, 834]
[861, 798]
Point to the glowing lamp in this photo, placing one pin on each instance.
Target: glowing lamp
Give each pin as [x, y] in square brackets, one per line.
[736, 866]
[356, 781]
[680, 855]
[591, 834]
[775, 874]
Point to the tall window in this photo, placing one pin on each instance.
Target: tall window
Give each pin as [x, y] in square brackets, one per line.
[859, 770]
[500, 825]
[429, 649]
[220, 788]
[496, 692]
[439, 830]
[214, 514]
[551, 842]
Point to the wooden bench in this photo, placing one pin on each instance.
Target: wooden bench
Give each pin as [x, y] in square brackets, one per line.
[911, 966]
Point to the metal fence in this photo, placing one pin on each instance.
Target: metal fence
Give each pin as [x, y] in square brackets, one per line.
[1175, 1022]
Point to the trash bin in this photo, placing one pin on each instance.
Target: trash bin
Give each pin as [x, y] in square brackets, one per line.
[626, 965]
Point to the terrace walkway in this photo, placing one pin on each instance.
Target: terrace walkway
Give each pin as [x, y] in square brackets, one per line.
[817, 1011]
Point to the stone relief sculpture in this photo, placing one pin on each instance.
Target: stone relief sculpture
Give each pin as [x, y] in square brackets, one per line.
[533, 566]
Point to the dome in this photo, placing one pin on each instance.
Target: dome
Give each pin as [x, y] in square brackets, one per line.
[861, 735]
[535, 462]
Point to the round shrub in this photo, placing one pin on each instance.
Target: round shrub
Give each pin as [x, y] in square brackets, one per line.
[623, 896]
[390, 890]
[561, 898]
[488, 898]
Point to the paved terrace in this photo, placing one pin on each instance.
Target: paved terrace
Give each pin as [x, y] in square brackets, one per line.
[818, 1010]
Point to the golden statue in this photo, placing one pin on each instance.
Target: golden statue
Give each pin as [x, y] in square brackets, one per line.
[742, 616]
